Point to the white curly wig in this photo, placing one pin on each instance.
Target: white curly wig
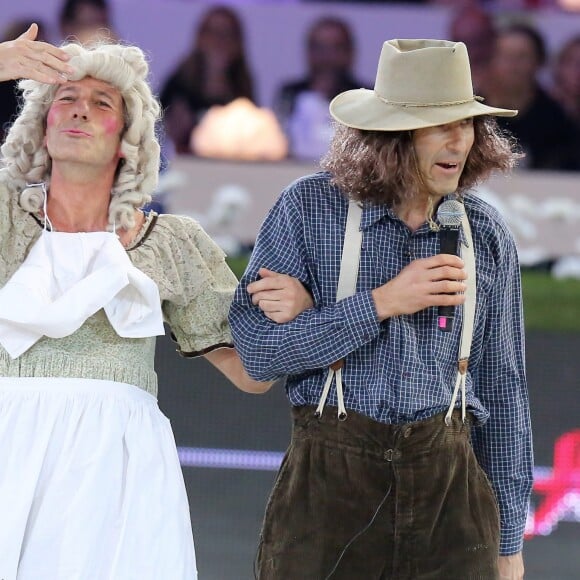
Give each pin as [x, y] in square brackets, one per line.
[25, 157]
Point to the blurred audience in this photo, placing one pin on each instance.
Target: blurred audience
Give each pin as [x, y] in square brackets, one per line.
[370, 2]
[86, 21]
[9, 99]
[302, 104]
[542, 128]
[566, 75]
[475, 27]
[215, 72]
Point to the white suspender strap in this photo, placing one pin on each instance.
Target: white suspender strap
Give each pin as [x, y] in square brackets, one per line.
[347, 280]
[351, 248]
[349, 266]
[468, 255]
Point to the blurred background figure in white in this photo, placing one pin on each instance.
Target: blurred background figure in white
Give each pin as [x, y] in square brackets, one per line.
[302, 104]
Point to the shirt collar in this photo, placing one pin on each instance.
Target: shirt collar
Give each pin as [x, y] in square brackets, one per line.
[373, 213]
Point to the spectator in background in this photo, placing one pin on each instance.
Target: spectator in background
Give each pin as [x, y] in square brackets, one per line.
[8, 90]
[302, 105]
[215, 72]
[475, 27]
[566, 73]
[85, 21]
[542, 128]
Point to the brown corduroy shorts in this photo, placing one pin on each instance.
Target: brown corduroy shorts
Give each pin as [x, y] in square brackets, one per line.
[358, 499]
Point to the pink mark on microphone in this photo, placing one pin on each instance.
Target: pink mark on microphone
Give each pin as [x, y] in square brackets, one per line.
[442, 322]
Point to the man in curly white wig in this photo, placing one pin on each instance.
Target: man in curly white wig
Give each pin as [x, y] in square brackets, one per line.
[27, 158]
[90, 485]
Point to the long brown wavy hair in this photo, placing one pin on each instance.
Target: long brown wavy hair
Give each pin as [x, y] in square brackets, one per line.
[380, 167]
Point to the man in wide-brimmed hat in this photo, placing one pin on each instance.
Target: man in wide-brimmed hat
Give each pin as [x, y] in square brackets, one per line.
[401, 477]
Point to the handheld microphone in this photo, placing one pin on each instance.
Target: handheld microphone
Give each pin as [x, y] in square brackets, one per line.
[449, 216]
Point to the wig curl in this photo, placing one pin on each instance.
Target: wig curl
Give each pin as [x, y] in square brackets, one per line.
[25, 157]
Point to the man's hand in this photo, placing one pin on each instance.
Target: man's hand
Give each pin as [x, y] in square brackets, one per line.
[281, 297]
[26, 58]
[511, 567]
[435, 281]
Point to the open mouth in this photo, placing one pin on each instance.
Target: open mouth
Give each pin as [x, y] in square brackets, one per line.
[448, 165]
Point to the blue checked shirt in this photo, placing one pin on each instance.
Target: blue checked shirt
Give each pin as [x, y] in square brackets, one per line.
[404, 368]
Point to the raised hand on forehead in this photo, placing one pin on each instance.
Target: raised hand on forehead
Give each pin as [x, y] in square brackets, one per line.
[27, 58]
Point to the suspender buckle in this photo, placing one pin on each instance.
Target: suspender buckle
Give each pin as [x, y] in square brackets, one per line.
[337, 364]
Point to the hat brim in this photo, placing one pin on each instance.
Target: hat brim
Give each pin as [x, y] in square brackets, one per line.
[363, 109]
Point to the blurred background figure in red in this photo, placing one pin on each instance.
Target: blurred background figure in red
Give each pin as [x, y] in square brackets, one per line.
[475, 27]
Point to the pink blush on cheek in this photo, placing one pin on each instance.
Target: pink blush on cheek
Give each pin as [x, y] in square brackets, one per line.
[50, 118]
[112, 126]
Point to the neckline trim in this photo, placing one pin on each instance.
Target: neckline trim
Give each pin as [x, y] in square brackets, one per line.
[141, 237]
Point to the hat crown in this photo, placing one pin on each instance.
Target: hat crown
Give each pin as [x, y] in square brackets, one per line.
[420, 83]
[424, 72]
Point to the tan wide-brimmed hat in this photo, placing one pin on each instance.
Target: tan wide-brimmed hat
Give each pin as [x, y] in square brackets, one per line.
[420, 83]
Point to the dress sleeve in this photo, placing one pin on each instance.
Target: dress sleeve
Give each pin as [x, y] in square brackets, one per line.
[10, 211]
[196, 285]
[17, 230]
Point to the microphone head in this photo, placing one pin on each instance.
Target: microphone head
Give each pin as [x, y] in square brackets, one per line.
[450, 213]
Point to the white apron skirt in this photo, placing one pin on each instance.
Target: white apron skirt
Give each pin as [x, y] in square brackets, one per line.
[90, 484]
